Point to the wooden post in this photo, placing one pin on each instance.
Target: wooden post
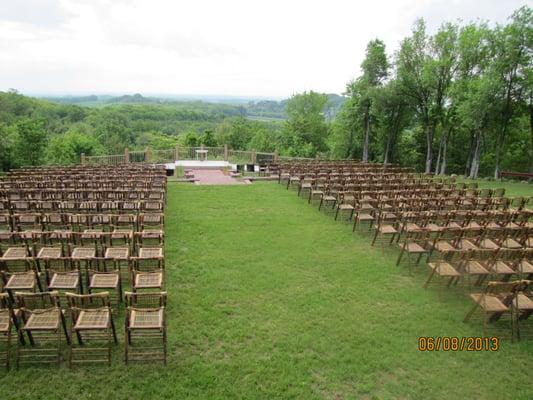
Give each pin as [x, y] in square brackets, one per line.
[126, 155]
[147, 155]
[254, 156]
[177, 153]
[276, 156]
[225, 152]
[202, 158]
[82, 159]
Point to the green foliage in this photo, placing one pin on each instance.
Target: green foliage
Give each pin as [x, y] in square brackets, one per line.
[305, 131]
[29, 141]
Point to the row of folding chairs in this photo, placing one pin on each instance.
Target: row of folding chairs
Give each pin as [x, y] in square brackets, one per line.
[82, 206]
[50, 221]
[40, 325]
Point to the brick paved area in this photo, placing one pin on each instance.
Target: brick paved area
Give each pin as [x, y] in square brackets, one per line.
[213, 177]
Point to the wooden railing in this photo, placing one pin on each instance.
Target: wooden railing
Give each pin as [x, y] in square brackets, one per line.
[183, 153]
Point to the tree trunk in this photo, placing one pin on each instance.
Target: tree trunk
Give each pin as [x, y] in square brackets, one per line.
[444, 150]
[439, 154]
[499, 144]
[366, 138]
[531, 133]
[430, 131]
[470, 152]
[387, 149]
[474, 169]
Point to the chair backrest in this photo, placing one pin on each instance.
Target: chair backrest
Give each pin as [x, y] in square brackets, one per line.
[37, 301]
[145, 299]
[87, 301]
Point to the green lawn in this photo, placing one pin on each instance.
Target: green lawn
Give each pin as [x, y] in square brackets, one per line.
[268, 298]
[512, 188]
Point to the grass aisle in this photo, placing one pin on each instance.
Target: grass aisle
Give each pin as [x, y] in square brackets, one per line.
[276, 300]
[268, 298]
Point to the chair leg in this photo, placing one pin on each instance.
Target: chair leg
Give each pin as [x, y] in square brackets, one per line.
[399, 257]
[375, 236]
[429, 278]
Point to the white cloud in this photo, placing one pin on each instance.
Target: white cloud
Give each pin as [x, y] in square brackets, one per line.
[232, 47]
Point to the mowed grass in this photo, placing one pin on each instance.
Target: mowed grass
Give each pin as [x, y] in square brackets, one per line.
[268, 298]
[512, 188]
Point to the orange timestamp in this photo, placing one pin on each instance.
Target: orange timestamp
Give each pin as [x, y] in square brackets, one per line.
[454, 343]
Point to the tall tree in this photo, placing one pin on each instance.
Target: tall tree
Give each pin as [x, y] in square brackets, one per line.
[305, 130]
[426, 66]
[514, 47]
[375, 68]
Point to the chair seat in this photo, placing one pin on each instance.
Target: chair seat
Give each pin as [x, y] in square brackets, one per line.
[433, 227]
[500, 267]
[443, 269]
[385, 229]
[524, 302]
[64, 280]
[329, 198]
[148, 279]
[346, 207]
[104, 281]
[93, 319]
[510, 243]
[21, 281]
[412, 227]
[146, 319]
[525, 267]
[488, 244]
[414, 248]
[43, 320]
[489, 303]
[466, 244]
[443, 245]
[475, 268]
[365, 217]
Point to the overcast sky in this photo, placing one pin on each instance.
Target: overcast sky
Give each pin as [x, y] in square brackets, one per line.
[220, 47]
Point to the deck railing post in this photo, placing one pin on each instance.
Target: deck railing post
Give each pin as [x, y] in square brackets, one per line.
[147, 155]
[82, 158]
[177, 153]
[225, 152]
[276, 156]
[254, 156]
[126, 155]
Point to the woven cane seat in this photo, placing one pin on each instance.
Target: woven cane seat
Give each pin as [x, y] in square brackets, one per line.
[43, 320]
[104, 281]
[443, 269]
[21, 281]
[151, 252]
[489, 303]
[49, 252]
[148, 279]
[117, 253]
[64, 280]
[15, 253]
[93, 319]
[81, 253]
[146, 319]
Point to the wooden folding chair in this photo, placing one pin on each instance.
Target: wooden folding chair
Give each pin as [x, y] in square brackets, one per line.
[93, 326]
[42, 321]
[495, 302]
[145, 325]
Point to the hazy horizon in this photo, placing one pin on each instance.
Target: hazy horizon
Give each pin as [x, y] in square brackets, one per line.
[234, 48]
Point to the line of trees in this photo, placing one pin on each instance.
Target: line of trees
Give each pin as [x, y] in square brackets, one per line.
[457, 101]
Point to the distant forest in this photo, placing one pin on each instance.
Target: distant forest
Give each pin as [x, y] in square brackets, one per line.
[456, 101]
